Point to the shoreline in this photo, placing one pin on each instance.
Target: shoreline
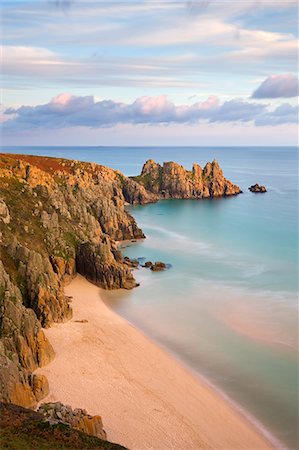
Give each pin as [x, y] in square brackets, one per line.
[146, 396]
[241, 411]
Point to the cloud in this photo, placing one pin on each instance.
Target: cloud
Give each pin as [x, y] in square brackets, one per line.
[63, 5]
[284, 113]
[277, 86]
[66, 110]
[144, 43]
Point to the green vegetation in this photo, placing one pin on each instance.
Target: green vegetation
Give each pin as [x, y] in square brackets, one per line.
[21, 282]
[71, 238]
[22, 204]
[148, 181]
[12, 270]
[121, 178]
[2, 294]
[23, 429]
[75, 189]
[145, 180]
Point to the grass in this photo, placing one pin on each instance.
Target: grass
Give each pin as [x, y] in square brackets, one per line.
[21, 204]
[23, 429]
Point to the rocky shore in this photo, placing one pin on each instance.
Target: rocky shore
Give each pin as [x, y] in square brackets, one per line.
[59, 218]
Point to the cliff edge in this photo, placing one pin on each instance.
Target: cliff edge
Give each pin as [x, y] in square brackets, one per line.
[57, 217]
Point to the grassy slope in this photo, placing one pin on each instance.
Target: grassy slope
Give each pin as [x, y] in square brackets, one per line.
[24, 429]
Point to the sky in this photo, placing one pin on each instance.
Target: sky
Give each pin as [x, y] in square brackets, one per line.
[205, 72]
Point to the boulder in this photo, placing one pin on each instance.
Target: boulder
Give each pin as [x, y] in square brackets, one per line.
[158, 266]
[134, 263]
[77, 418]
[256, 188]
[148, 264]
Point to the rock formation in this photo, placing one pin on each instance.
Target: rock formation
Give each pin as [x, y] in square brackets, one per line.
[59, 217]
[77, 418]
[158, 266]
[23, 347]
[136, 194]
[173, 181]
[257, 188]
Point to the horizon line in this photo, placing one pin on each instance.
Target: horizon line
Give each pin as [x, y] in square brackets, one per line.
[149, 146]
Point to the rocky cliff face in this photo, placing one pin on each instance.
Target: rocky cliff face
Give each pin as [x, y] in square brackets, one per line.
[173, 181]
[57, 217]
[136, 194]
[23, 347]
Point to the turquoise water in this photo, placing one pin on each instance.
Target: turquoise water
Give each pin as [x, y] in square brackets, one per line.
[228, 305]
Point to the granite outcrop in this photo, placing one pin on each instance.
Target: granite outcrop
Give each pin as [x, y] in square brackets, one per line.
[76, 418]
[171, 180]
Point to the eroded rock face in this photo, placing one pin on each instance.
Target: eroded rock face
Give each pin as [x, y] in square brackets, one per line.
[57, 217]
[173, 181]
[136, 194]
[77, 418]
[23, 347]
[40, 386]
[4, 212]
[99, 265]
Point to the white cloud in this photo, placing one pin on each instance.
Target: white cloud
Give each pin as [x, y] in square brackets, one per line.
[66, 110]
[278, 86]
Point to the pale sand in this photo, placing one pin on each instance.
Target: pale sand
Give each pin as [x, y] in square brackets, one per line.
[146, 398]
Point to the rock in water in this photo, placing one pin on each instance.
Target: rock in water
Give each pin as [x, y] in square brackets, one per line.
[257, 188]
[158, 266]
[173, 181]
[148, 264]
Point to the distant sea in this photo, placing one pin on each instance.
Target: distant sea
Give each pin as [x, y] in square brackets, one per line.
[228, 306]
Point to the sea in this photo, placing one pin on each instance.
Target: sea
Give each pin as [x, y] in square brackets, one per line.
[228, 305]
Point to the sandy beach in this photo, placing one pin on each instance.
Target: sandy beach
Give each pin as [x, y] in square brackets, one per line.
[146, 398]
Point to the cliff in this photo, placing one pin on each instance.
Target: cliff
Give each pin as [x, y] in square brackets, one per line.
[57, 217]
[173, 181]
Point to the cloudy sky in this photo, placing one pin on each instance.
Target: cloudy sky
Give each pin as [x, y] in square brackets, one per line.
[216, 72]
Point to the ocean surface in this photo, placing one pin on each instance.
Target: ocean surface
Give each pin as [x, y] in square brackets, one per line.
[227, 307]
